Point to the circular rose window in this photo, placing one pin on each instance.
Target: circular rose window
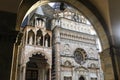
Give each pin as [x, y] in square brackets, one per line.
[80, 56]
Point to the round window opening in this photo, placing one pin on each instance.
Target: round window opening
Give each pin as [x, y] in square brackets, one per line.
[80, 56]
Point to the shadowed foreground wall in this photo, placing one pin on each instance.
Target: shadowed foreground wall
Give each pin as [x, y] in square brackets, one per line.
[7, 39]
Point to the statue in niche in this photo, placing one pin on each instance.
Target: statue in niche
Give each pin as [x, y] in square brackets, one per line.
[36, 22]
[39, 22]
[46, 43]
[38, 40]
[30, 40]
[43, 24]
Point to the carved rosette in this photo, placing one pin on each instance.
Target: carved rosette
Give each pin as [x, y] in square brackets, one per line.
[80, 56]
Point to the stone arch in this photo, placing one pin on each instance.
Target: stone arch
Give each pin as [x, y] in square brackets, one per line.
[79, 5]
[94, 17]
[81, 77]
[37, 52]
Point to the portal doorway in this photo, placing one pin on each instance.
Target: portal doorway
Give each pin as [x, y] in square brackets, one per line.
[31, 71]
[37, 68]
[81, 78]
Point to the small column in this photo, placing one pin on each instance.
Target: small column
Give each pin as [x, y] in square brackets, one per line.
[56, 44]
[46, 43]
[24, 72]
[106, 63]
[49, 73]
[26, 38]
[43, 74]
[50, 41]
[15, 57]
[35, 39]
[43, 41]
[39, 23]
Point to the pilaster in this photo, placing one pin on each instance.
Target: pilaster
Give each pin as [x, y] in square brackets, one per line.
[56, 44]
[15, 57]
[107, 65]
[116, 62]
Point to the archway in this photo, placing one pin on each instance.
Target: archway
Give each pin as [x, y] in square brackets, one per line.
[31, 71]
[93, 19]
[81, 78]
[37, 66]
[25, 10]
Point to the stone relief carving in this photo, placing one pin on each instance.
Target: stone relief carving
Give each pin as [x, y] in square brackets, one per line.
[67, 63]
[93, 54]
[66, 50]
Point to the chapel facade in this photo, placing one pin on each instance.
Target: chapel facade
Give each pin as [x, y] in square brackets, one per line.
[61, 45]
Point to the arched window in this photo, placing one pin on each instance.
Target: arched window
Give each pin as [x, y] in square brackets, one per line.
[31, 37]
[47, 40]
[39, 38]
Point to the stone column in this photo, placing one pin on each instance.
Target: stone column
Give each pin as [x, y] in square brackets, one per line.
[24, 72]
[56, 44]
[49, 73]
[50, 41]
[116, 62]
[43, 38]
[43, 74]
[35, 39]
[107, 65]
[26, 37]
[15, 57]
